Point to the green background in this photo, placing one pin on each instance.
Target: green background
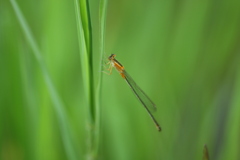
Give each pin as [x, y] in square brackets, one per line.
[184, 54]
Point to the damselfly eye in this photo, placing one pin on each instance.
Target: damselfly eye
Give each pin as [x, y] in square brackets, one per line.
[111, 56]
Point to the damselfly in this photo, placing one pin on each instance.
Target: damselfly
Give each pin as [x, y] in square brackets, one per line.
[142, 97]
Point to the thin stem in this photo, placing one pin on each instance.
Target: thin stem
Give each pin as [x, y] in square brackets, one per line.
[102, 21]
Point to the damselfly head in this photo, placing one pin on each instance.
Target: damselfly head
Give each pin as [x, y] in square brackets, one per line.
[111, 57]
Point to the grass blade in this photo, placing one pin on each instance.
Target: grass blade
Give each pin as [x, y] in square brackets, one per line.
[57, 103]
[102, 21]
[85, 47]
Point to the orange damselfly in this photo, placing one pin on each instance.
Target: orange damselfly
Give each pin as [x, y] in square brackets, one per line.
[142, 97]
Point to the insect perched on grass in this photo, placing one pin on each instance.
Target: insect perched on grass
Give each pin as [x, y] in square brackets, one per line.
[142, 97]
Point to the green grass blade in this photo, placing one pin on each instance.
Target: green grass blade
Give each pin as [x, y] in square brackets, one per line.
[86, 24]
[85, 47]
[57, 103]
[102, 21]
[27, 31]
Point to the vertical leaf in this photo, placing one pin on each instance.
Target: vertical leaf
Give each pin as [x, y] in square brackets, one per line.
[102, 21]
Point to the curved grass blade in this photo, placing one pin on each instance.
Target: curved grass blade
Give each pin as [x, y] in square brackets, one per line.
[57, 103]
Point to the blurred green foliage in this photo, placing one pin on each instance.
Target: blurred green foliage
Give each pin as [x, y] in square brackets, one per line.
[184, 54]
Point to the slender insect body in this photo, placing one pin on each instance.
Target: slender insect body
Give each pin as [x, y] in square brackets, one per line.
[141, 96]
